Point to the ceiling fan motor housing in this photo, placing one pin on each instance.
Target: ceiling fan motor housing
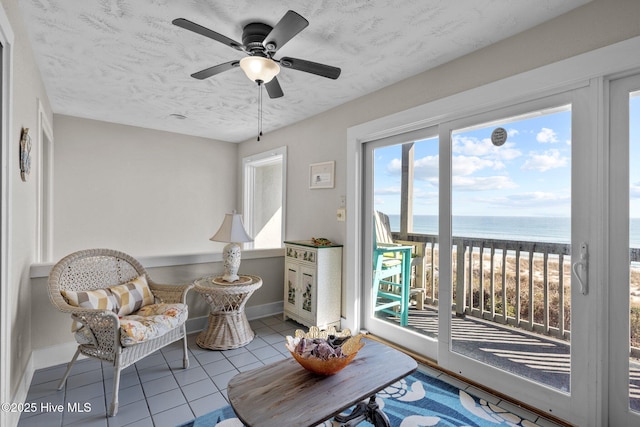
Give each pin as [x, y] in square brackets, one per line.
[253, 35]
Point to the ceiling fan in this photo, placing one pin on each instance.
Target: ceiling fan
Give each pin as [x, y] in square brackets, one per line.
[261, 42]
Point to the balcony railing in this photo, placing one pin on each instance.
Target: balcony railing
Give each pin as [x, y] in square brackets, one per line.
[518, 283]
[523, 284]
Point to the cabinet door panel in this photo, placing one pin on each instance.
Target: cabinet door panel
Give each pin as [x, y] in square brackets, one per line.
[291, 286]
[308, 294]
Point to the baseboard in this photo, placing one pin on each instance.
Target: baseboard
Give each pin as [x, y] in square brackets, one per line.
[54, 355]
[264, 310]
[21, 393]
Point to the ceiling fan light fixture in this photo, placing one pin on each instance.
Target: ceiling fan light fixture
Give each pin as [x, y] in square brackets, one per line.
[258, 68]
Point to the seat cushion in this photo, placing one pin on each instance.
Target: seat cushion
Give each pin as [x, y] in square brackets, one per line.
[132, 296]
[99, 298]
[151, 321]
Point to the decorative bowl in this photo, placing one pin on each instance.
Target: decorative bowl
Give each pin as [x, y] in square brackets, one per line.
[325, 366]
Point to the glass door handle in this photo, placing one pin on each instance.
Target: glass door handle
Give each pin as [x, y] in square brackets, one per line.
[583, 264]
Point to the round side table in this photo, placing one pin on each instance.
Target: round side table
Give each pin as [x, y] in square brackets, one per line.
[228, 325]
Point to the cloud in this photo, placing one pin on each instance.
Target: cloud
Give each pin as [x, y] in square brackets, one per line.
[467, 165]
[471, 155]
[426, 168]
[387, 191]
[542, 162]
[531, 199]
[547, 135]
[482, 183]
[394, 167]
[470, 146]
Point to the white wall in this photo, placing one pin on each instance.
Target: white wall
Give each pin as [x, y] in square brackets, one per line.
[141, 191]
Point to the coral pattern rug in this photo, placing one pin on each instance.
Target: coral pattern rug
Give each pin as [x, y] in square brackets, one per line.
[417, 400]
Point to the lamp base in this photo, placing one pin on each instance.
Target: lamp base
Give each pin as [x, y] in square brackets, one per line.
[231, 255]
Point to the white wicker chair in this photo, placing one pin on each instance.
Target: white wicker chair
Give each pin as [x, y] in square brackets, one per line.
[93, 269]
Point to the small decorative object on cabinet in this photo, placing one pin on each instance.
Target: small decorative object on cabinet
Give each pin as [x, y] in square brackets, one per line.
[312, 283]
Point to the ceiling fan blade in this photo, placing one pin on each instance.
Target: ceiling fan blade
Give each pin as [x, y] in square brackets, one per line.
[288, 26]
[199, 29]
[216, 69]
[273, 88]
[311, 67]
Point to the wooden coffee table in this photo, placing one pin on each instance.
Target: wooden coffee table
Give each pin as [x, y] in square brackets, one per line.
[285, 394]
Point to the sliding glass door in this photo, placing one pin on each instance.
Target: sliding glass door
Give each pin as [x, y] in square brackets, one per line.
[511, 243]
[516, 188]
[479, 244]
[624, 243]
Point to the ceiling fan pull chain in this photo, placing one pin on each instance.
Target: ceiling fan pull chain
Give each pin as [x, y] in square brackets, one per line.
[259, 110]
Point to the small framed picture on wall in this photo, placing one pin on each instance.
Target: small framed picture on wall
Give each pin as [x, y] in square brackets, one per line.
[321, 175]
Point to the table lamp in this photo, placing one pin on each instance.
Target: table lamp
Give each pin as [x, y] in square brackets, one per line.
[232, 232]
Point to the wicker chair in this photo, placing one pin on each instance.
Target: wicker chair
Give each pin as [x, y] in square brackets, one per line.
[94, 269]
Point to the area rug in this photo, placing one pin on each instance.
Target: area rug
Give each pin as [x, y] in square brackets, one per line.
[417, 400]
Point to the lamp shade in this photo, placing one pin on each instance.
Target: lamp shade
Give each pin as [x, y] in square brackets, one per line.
[231, 230]
[258, 68]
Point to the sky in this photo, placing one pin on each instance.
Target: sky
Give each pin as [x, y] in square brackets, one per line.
[529, 175]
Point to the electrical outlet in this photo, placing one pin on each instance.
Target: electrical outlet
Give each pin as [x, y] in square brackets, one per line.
[341, 214]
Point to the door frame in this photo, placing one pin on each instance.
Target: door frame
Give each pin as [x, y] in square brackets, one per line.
[248, 166]
[618, 268]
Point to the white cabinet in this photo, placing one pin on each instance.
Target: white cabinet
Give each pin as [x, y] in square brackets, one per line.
[312, 283]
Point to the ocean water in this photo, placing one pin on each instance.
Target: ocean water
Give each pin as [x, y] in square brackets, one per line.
[531, 229]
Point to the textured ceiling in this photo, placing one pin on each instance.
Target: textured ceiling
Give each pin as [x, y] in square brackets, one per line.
[123, 61]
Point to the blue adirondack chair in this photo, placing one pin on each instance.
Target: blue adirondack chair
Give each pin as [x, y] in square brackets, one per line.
[391, 272]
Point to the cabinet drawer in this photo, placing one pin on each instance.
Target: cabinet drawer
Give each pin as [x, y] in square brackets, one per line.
[302, 254]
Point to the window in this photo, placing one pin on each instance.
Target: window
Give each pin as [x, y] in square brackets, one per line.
[264, 198]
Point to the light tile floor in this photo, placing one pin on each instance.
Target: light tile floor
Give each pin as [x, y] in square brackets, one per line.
[158, 392]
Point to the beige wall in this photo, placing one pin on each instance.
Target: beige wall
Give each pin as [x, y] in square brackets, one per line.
[141, 191]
